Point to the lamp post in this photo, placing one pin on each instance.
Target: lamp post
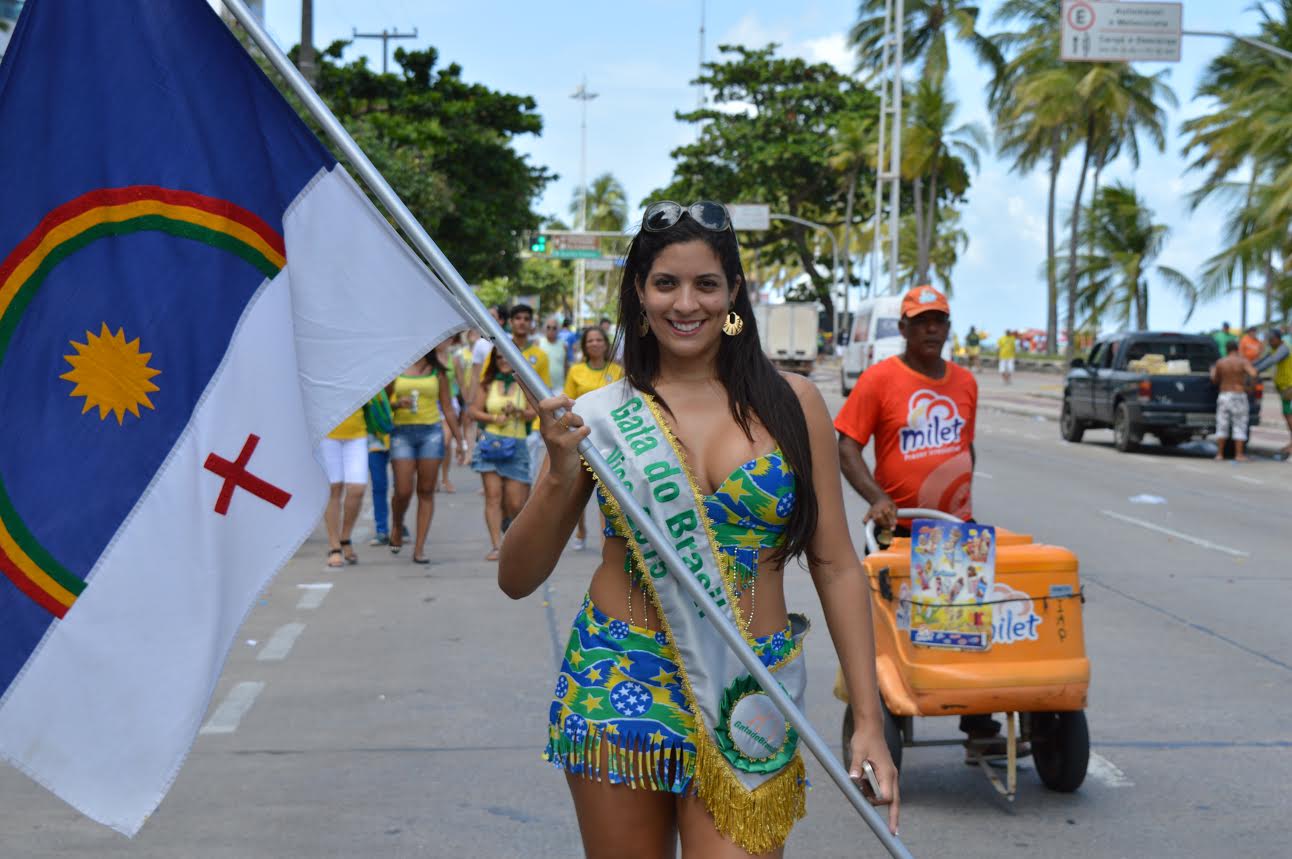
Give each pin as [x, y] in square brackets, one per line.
[580, 270]
[834, 252]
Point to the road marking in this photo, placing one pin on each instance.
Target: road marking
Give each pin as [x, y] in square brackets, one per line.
[1106, 772]
[1188, 538]
[280, 643]
[235, 705]
[315, 593]
[984, 475]
[1248, 479]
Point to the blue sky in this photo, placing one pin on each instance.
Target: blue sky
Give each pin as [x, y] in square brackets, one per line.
[640, 57]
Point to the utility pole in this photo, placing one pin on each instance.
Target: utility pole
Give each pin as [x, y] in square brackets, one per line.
[305, 59]
[580, 270]
[890, 130]
[385, 36]
[700, 100]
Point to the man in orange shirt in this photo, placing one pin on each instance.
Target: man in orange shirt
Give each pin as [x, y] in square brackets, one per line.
[921, 411]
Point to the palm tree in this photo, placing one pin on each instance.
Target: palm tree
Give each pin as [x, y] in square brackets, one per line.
[1035, 129]
[607, 204]
[1125, 242]
[936, 155]
[926, 23]
[853, 149]
[1250, 134]
[1114, 104]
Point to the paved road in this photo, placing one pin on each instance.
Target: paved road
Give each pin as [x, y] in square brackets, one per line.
[391, 710]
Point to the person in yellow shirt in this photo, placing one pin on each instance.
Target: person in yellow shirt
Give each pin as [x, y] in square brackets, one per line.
[521, 320]
[421, 401]
[596, 370]
[1006, 349]
[501, 456]
[1280, 358]
[344, 454]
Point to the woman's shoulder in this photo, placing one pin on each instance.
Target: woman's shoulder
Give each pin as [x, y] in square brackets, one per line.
[809, 395]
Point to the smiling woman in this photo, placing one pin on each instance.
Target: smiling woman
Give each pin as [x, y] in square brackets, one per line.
[655, 723]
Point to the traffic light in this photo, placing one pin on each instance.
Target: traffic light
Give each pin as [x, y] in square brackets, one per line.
[538, 244]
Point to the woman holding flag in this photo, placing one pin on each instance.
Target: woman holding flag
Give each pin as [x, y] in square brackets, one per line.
[737, 464]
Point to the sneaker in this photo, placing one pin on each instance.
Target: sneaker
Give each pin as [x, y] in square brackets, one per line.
[381, 539]
[580, 545]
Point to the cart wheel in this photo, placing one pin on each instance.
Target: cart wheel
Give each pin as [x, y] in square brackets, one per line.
[892, 737]
[1061, 749]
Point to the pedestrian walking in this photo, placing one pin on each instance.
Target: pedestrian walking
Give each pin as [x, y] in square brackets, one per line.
[1232, 374]
[973, 348]
[1280, 358]
[594, 372]
[501, 457]
[344, 455]
[422, 405]
[921, 412]
[721, 447]
[1006, 349]
[521, 318]
[450, 358]
[554, 348]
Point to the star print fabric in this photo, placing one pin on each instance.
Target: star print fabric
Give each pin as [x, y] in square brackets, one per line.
[619, 710]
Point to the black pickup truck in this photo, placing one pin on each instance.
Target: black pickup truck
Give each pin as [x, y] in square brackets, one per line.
[1102, 389]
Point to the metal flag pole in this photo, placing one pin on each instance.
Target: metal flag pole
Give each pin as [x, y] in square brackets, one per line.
[475, 311]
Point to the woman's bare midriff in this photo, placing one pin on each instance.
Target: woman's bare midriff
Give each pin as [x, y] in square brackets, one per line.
[610, 587]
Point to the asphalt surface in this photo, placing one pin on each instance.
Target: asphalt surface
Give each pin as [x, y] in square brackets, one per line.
[401, 711]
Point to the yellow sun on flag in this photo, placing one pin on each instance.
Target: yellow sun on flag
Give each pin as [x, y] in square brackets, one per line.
[111, 374]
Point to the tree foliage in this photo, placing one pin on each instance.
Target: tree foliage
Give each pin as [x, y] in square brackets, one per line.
[445, 145]
[766, 139]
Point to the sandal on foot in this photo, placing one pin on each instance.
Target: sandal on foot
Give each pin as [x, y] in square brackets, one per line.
[350, 557]
[335, 559]
[492, 556]
[417, 560]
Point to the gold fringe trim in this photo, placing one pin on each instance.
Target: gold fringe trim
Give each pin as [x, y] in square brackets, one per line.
[759, 820]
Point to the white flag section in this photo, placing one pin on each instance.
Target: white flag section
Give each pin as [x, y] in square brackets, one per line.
[105, 711]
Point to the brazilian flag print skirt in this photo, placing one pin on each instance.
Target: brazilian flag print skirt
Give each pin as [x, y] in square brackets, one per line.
[619, 700]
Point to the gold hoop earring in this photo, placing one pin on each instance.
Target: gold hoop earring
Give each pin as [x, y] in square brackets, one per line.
[734, 324]
[643, 327]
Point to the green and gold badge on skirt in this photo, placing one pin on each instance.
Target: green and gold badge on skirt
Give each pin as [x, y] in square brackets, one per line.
[751, 732]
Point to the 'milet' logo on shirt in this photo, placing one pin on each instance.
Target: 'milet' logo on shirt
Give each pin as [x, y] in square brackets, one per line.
[932, 421]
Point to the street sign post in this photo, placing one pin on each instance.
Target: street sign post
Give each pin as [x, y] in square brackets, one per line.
[1098, 31]
[750, 216]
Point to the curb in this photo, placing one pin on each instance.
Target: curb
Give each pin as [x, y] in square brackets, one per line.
[1256, 447]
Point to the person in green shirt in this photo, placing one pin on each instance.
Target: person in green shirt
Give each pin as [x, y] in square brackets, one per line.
[973, 348]
[1223, 338]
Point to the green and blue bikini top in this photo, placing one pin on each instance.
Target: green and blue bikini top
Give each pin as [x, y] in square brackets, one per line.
[747, 512]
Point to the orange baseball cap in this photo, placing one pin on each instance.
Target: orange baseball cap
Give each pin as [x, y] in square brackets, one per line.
[922, 299]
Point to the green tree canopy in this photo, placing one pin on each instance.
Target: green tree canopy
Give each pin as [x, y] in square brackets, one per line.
[766, 138]
[445, 145]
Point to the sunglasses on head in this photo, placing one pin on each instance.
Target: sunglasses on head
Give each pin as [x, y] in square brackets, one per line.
[664, 214]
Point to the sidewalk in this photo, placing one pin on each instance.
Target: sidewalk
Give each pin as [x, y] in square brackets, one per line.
[1034, 394]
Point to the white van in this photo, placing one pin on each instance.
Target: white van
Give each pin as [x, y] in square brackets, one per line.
[874, 337]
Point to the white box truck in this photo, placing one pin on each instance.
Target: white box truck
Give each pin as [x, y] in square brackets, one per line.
[789, 334]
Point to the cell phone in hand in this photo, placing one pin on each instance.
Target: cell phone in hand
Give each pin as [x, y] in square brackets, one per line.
[870, 780]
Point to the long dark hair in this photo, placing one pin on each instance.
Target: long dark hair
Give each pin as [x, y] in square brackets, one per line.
[491, 368]
[755, 388]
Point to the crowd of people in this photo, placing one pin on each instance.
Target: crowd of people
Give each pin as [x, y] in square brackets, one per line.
[459, 403]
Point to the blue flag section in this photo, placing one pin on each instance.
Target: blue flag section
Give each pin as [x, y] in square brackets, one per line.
[124, 251]
[192, 294]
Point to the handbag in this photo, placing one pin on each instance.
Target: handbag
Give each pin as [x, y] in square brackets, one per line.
[377, 415]
[496, 448]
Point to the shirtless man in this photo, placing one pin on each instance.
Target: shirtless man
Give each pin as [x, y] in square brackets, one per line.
[1232, 374]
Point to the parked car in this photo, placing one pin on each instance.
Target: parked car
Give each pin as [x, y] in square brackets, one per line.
[789, 334]
[1146, 382]
[874, 337]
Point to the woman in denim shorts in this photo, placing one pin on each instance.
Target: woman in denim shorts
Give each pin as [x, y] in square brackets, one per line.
[420, 401]
[501, 407]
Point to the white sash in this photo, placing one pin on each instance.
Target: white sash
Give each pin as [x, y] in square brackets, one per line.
[748, 770]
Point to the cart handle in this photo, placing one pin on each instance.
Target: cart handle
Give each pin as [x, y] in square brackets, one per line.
[906, 513]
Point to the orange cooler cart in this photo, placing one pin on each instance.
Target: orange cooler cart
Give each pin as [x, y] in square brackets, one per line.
[1035, 668]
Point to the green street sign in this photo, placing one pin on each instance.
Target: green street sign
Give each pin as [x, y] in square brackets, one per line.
[576, 253]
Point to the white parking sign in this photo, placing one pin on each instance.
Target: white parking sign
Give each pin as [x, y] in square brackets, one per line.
[1097, 31]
